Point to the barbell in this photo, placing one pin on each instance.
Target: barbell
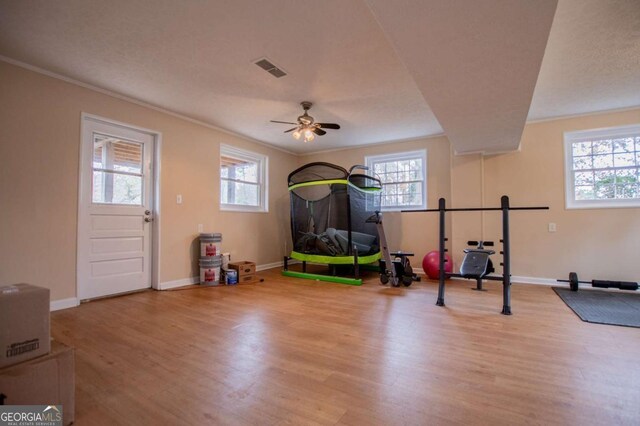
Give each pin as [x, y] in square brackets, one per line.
[574, 283]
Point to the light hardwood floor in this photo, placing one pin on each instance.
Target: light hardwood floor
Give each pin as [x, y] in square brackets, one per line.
[290, 351]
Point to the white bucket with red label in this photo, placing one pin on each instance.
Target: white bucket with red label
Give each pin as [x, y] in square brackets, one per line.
[210, 245]
[210, 270]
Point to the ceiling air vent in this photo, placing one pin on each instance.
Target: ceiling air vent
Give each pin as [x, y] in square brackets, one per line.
[270, 67]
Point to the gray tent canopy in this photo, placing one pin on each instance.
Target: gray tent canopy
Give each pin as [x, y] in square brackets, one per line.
[329, 208]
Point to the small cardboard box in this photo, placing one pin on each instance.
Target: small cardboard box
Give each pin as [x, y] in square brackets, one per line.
[248, 279]
[244, 268]
[24, 315]
[46, 380]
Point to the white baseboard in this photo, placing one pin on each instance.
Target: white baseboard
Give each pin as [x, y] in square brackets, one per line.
[178, 283]
[195, 280]
[270, 266]
[536, 280]
[515, 279]
[57, 305]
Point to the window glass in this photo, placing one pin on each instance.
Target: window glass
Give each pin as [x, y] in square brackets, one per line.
[403, 177]
[242, 180]
[603, 167]
[117, 171]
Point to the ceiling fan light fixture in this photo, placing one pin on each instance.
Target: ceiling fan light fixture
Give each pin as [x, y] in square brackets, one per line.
[306, 127]
[308, 134]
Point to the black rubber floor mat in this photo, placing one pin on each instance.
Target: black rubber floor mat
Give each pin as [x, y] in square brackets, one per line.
[603, 307]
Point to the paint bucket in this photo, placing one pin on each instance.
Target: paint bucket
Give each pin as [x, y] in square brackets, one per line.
[210, 270]
[232, 277]
[210, 245]
[226, 257]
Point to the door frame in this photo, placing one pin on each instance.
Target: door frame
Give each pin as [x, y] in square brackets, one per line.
[84, 179]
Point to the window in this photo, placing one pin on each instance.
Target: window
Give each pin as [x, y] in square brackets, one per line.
[602, 168]
[404, 179]
[243, 180]
[117, 171]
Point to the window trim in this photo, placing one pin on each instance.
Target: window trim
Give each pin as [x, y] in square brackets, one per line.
[398, 156]
[263, 179]
[585, 135]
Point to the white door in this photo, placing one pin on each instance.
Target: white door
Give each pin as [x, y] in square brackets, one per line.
[115, 210]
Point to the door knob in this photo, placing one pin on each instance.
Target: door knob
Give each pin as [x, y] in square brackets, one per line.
[147, 212]
[148, 219]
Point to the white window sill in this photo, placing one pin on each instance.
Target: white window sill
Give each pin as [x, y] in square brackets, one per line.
[242, 209]
[604, 204]
[400, 209]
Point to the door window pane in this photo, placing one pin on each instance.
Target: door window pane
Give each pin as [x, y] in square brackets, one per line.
[116, 188]
[117, 171]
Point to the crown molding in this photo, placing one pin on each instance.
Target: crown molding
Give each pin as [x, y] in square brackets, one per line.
[269, 145]
[583, 114]
[138, 102]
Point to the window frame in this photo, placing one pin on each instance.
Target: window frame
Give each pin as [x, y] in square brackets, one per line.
[263, 181]
[588, 135]
[369, 161]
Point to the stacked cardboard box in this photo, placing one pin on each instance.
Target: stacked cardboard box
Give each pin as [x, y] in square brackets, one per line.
[24, 315]
[32, 370]
[45, 380]
[246, 271]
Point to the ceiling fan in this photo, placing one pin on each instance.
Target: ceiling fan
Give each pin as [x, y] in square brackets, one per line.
[306, 126]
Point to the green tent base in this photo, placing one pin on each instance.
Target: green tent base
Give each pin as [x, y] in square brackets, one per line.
[365, 263]
[334, 260]
[319, 277]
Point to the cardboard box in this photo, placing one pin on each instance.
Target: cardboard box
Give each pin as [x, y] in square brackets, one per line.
[24, 319]
[46, 380]
[249, 279]
[244, 268]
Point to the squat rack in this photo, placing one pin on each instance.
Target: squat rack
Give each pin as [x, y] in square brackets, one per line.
[506, 247]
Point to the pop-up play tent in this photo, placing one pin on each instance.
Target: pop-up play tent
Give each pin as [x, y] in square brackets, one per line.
[329, 211]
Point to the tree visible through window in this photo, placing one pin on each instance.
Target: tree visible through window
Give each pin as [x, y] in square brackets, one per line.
[603, 167]
[403, 176]
[242, 180]
[117, 171]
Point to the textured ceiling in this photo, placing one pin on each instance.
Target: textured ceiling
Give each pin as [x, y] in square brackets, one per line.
[195, 58]
[476, 63]
[592, 61]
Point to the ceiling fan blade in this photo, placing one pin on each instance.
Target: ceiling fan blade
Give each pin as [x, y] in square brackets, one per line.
[319, 132]
[290, 130]
[282, 122]
[329, 125]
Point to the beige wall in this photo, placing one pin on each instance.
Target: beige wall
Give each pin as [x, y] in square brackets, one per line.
[467, 191]
[414, 232]
[596, 243]
[39, 149]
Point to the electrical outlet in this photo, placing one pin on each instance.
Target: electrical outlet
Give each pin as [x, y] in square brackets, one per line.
[552, 227]
[200, 227]
[179, 199]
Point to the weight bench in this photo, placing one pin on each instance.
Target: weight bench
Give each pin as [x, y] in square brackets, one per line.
[476, 263]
